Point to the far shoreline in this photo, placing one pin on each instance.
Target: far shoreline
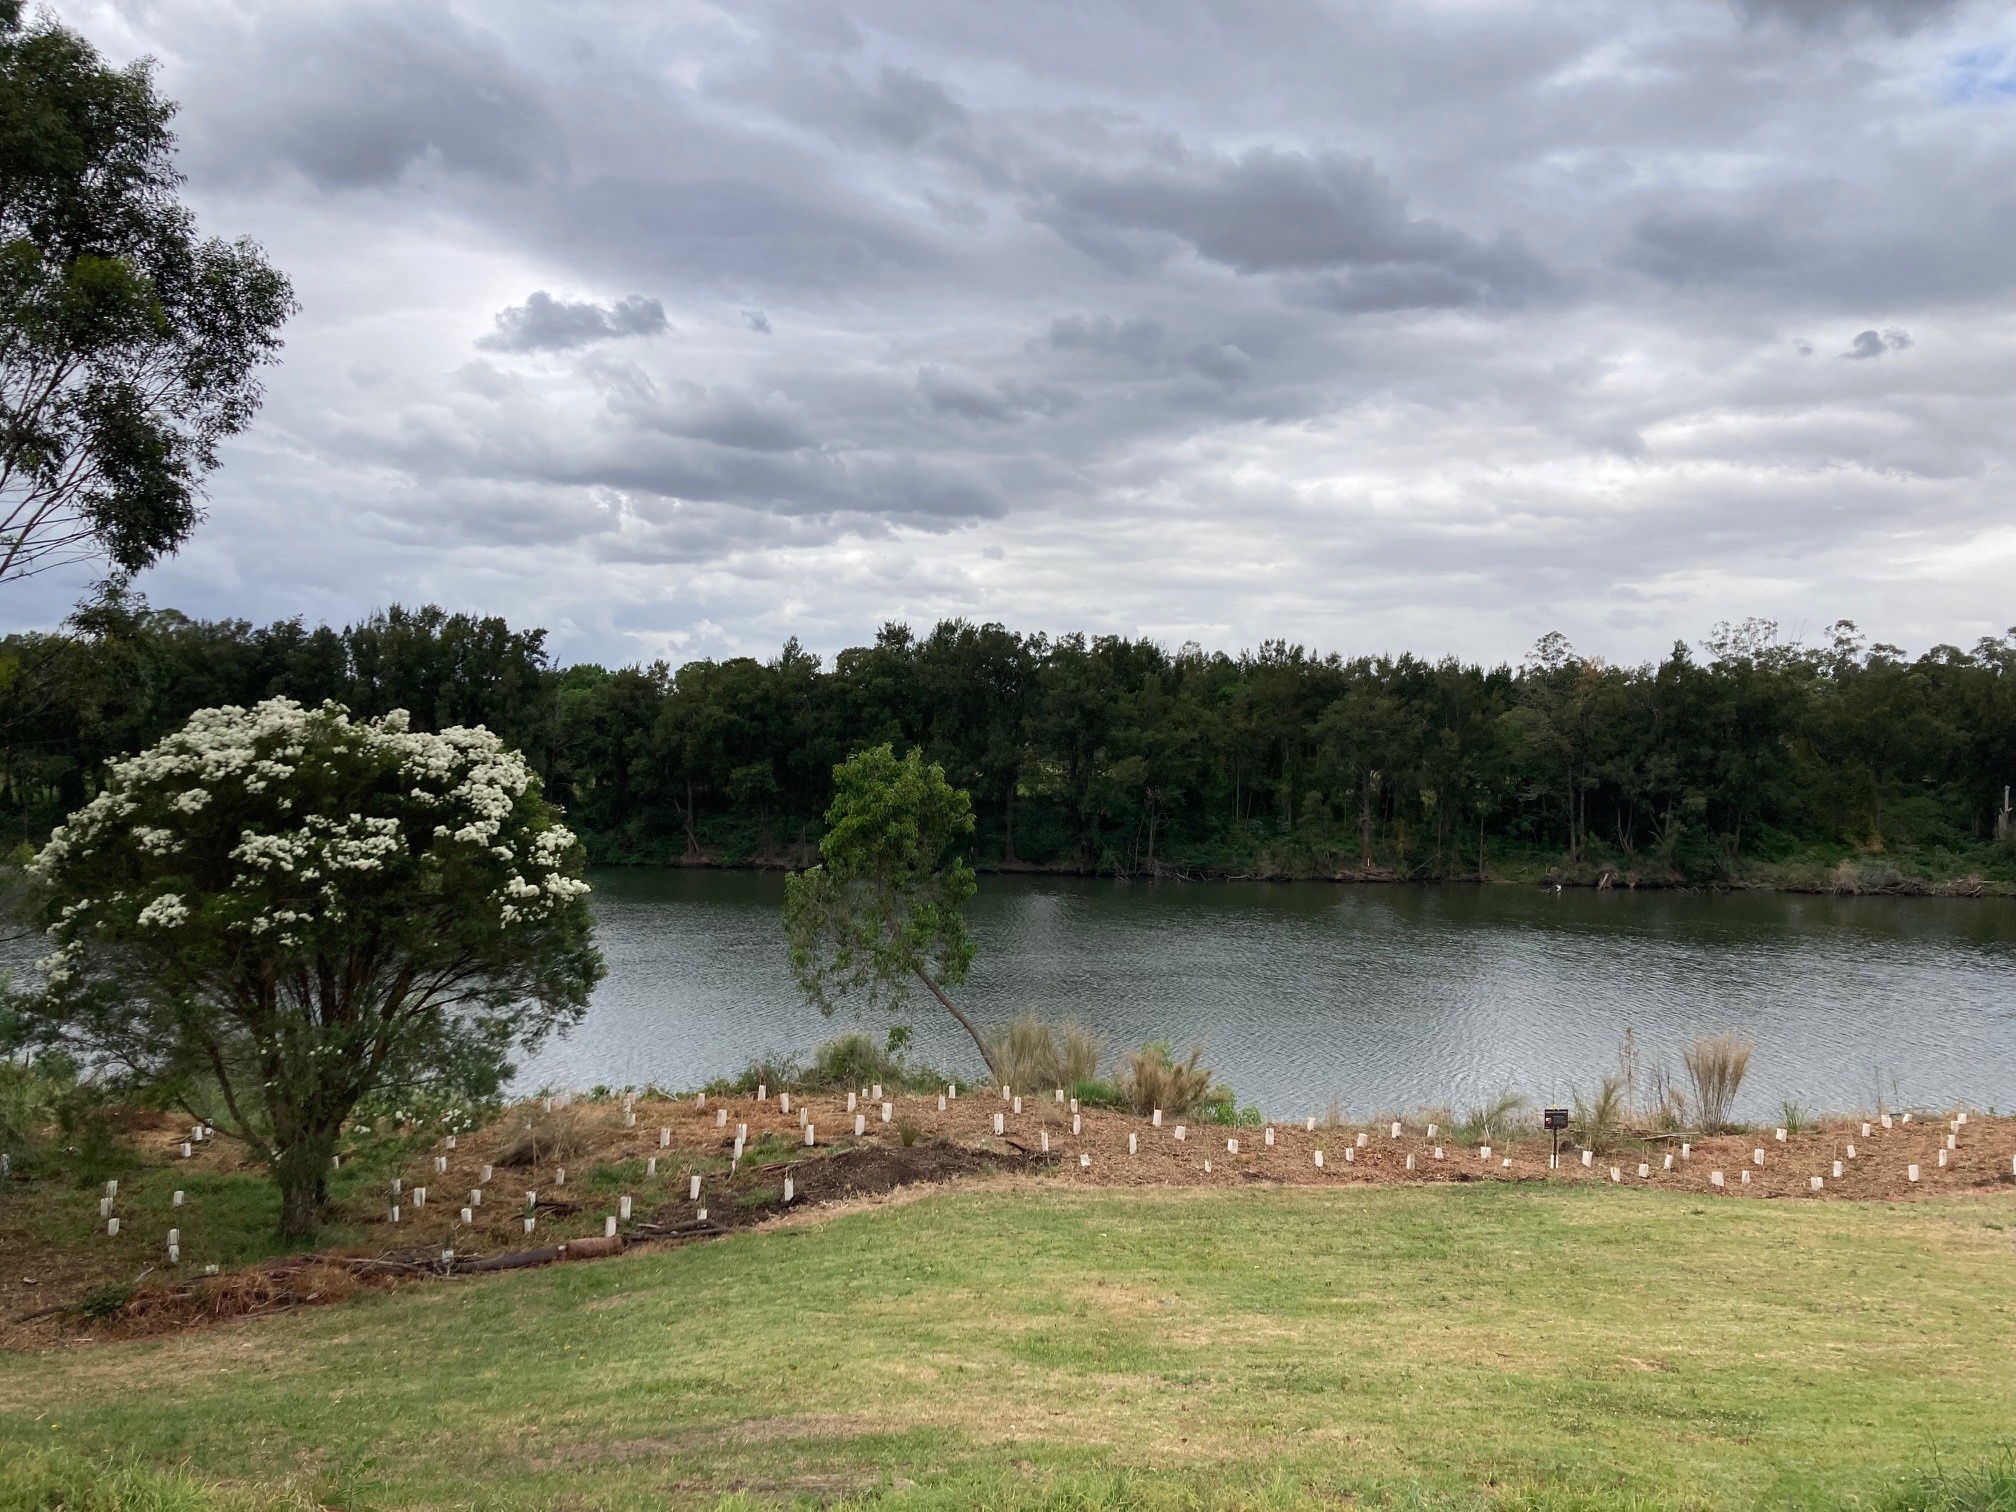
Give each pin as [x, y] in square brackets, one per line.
[1847, 880]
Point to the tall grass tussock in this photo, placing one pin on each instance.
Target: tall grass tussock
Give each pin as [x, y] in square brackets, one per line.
[1034, 1055]
[1153, 1079]
[1716, 1065]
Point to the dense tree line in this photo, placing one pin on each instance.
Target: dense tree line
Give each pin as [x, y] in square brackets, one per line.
[1115, 755]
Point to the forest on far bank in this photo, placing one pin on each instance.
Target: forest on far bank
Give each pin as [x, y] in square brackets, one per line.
[1747, 759]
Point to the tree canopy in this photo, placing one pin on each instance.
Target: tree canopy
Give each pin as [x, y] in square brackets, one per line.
[881, 912]
[276, 912]
[1123, 757]
[129, 345]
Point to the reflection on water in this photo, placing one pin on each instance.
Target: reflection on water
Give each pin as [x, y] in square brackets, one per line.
[1377, 997]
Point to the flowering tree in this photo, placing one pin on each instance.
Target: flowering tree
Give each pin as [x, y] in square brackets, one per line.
[276, 912]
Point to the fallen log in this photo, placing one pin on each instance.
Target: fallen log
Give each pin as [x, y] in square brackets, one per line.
[517, 1260]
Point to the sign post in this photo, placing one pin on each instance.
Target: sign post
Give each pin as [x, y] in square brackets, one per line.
[1555, 1120]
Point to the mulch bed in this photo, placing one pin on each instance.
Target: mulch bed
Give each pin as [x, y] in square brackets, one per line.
[955, 1144]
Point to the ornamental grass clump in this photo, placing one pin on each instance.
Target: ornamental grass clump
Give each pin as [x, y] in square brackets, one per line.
[1599, 1119]
[1716, 1066]
[1151, 1079]
[543, 1138]
[278, 913]
[1492, 1120]
[1034, 1055]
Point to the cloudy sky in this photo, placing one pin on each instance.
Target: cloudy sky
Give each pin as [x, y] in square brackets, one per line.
[680, 327]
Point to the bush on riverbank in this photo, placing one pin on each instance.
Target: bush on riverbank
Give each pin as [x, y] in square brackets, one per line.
[1037, 1056]
[844, 1062]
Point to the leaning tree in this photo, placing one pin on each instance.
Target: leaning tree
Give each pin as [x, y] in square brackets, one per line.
[277, 912]
[882, 910]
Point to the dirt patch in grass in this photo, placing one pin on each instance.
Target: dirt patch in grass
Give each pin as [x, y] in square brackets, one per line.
[757, 1195]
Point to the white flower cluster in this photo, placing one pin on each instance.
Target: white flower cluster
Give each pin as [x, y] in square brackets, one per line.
[293, 873]
[165, 912]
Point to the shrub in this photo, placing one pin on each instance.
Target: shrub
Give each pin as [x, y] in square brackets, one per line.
[1600, 1120]
[1036, 1056]
[103, 1302]
[1716, 1065]
[1092, 1093]
[1151, 1079]
[852, 1060]
[56, 1126]
[777, 1072]
[907, 1131]
[1791, 1116]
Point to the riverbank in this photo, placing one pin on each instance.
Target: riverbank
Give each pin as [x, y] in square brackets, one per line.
[1985, 872]
[1038, 1345]
[657, 1170]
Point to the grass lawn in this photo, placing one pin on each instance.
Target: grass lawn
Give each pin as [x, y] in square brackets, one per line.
[1042, 1346]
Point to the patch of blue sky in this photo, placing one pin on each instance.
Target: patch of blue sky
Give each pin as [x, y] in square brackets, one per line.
[1982, 75]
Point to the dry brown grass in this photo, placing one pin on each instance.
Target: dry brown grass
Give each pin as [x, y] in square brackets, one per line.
[545, 1138]
[1716, 1065]
[1151, 1080]
[1033, 1055]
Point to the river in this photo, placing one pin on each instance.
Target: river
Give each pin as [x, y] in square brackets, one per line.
[1375, 997]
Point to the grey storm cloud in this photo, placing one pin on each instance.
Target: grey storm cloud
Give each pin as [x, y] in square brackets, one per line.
[1273, 211]
[546, 324]
[1876, 343]
[358, 98]
[1380, 327]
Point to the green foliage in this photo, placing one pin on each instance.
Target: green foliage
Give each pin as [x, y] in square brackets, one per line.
[1792, 1118]
[58, 1480]
[55, 1126]
[1836, 766]
[103, 1302]
[853, 1060]
[1091, 1092]
[1989, 1486]
[295, 913]
[882, 912]
[772, 1070]
[129, 347]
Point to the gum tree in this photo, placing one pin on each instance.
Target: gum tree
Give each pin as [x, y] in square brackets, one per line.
[882, 910]
[276, 912]
[129, 345]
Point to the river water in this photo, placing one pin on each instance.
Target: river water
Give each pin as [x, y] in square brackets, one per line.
[1375, 997]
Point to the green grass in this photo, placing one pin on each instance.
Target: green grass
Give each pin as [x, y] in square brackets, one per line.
[1064, 1349]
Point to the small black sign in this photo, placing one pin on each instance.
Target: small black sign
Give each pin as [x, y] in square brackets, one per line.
[1555, 1118]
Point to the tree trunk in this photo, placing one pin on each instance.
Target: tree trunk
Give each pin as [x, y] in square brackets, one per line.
[1008, 827]
[301, 1171]
[964, 1022]
[692, 839]
[1365, 825]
